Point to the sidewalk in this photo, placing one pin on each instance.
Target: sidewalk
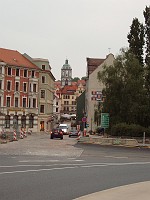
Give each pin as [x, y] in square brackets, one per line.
[138, 191]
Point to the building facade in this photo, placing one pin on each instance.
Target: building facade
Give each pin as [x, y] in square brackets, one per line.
[94, 88]
[46, 94]
[19, 88]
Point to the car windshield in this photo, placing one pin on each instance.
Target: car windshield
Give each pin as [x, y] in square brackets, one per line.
[63, 127]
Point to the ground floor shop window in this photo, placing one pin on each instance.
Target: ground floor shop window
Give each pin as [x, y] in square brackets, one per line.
[41, 125]
[31, 121]
[7, 121]
[23, 121]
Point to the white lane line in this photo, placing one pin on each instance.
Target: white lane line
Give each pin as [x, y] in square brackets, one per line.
[38, 161]
[86, 165]
[38, 170]
[119, 157]
[77, 164]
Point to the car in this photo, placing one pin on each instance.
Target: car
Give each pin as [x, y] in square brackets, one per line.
[74, 133]
[56, 133]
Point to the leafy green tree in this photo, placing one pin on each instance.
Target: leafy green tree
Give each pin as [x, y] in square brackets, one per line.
[123, 89]
[146, 14]
[147, 33]
[75, 79]
[136, 39]
[83, 78]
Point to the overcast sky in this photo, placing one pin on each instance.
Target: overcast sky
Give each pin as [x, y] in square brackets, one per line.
[72, 29]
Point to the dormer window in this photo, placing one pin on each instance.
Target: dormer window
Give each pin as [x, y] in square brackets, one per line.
[43, 67]
[9, 71]
[17, 72]
[33, 74]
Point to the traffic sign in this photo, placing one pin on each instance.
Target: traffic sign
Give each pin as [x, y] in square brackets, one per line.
[105, 120]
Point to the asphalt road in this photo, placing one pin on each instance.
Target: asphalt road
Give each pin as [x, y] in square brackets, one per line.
[38, 168]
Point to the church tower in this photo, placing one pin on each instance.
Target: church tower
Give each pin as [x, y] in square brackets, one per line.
[66, 74]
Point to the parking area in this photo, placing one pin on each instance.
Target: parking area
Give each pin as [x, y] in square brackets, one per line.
[41, 144]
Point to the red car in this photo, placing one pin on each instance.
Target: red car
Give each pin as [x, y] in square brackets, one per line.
[56, 133]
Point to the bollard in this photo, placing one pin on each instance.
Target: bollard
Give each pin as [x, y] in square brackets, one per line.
[15, 136]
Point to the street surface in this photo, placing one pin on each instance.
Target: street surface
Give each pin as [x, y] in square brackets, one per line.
[38, 168]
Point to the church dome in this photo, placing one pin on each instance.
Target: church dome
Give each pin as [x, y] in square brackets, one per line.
[66, 65]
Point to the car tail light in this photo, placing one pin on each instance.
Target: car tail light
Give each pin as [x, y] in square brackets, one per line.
[51, 132]
[61, 132]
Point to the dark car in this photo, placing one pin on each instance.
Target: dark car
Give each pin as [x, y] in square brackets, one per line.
[73, 133]
[56, 133]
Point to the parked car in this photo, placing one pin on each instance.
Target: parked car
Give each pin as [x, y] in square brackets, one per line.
[74, 133]
[56, 133]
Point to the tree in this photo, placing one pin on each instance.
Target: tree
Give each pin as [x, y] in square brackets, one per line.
[136, 39]
[75, 79]
[84, 78]
[147, 57]
[147, 33]
[124, 93]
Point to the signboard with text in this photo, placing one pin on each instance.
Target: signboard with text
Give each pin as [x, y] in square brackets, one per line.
[105, 120]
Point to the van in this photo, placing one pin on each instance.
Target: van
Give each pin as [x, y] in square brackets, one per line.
[64, 128]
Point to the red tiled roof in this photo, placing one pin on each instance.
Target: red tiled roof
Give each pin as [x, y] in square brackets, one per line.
[69, 89]
[81, 82]
[93, 63]
[14, 58]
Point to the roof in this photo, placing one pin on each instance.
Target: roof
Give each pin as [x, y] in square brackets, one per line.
[14, 58]
[93, 63]
[69, 89]
[66, 65]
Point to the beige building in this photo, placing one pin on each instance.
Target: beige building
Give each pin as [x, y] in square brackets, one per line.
[46, 94]
[94, 87]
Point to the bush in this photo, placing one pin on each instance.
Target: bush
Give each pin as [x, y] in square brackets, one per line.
[128, 130]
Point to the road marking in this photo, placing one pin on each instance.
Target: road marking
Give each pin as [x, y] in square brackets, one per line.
[23, 161]
[87, 166]
[38, 170]
[119, 157]
[70, 166]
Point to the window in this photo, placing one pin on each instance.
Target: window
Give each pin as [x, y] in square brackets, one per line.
[23, 121]
[17, 72]
[34, 103]
[0, 101]
[24, 102]
[9, 71]
[0, 84]
[25, 72]
[17, 86]
[34, 87]
[8, 85]
[31, 121]
[29, 103]
[8, 101]
[42, 93]
[25, 87]
[0, 70]
[43, 79]
[7, 121]
[30, 87]
[32, 74]
[43, 67]
[15, 121]
[42, 109]
[57, 103]
[16, 101]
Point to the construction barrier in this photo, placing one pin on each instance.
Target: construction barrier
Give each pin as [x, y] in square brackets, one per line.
[15, 136]
[21, 134]
[24, 133]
